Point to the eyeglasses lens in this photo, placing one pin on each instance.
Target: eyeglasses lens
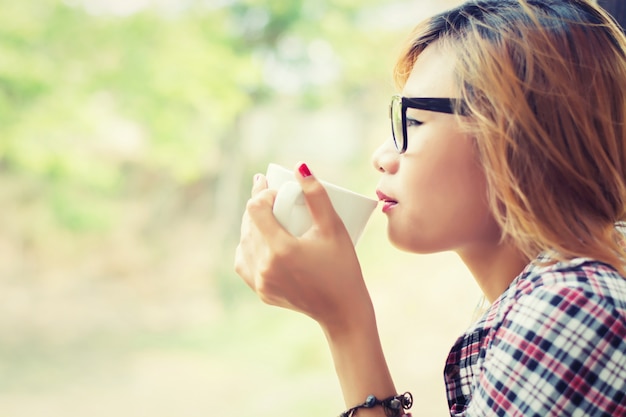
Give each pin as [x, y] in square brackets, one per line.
[397, 128]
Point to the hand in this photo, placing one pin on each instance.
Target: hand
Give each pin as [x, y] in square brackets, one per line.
[317, 274]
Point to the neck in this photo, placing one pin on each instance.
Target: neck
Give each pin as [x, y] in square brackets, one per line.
[494, 267]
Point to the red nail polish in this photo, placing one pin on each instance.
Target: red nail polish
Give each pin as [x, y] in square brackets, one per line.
[304, 171]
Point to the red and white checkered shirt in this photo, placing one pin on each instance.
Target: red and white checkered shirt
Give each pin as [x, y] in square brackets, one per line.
[554, 344]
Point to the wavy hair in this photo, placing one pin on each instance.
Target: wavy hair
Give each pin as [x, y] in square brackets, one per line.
[544, 82]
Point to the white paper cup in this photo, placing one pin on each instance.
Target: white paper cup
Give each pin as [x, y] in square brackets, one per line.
[292, 212]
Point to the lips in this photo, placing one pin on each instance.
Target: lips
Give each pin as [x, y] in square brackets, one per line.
[388, 202]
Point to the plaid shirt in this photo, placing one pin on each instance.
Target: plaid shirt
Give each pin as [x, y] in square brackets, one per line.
[554, 344]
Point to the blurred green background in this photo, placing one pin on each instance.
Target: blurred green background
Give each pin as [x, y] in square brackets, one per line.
[129, 134]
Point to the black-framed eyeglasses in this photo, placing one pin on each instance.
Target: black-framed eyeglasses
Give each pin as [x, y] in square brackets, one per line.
[397, 113]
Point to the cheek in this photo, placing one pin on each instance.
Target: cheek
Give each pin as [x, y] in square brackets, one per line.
[469, 205]
[466, 188]
[445, 167]
[446, 202]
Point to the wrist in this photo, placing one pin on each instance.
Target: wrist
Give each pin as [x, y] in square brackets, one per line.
[353, 321]
[393, 406]
[359, 360]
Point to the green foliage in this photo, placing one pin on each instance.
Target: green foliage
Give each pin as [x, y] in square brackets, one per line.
[84, 94]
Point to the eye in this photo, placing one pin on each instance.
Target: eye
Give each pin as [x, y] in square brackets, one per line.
[411, 122]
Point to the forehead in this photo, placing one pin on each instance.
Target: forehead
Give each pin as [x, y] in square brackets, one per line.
[432, 74]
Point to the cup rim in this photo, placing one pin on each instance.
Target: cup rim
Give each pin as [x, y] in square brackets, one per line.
[326, 184]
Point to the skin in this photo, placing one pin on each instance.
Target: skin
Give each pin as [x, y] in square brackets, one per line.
[437, 186]
[437, 201]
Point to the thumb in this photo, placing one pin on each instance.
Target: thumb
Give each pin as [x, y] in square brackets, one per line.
[317, 199]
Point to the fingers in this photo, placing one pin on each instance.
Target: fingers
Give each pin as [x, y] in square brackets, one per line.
[292, 272]
[252, 248]
[258, 184]
[259, 212]
[317, 200]
[259, 218]
[259, 207]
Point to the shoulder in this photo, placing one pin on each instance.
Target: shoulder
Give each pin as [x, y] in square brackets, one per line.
[559, 327]
[548, 295]
[559, 284]
[556, 306]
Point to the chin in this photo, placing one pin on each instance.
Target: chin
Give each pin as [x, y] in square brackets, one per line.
[421, 247]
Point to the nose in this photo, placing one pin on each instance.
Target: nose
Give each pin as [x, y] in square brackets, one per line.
[385, 158]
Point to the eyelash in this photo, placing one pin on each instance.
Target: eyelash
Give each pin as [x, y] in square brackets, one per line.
[410, 122]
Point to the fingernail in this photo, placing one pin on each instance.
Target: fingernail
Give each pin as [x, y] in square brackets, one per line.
[304, 171]
[257, 177]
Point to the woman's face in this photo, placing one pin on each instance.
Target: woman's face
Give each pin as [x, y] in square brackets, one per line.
[434, 194]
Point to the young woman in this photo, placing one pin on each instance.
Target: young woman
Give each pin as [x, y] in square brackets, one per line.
[509, 147]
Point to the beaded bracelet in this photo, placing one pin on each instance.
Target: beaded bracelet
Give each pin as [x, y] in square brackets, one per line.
[393, 406]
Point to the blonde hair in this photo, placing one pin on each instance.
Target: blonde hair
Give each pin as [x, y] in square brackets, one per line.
[544, 84]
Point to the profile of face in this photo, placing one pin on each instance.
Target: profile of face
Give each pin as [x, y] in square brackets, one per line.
[435, 193]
